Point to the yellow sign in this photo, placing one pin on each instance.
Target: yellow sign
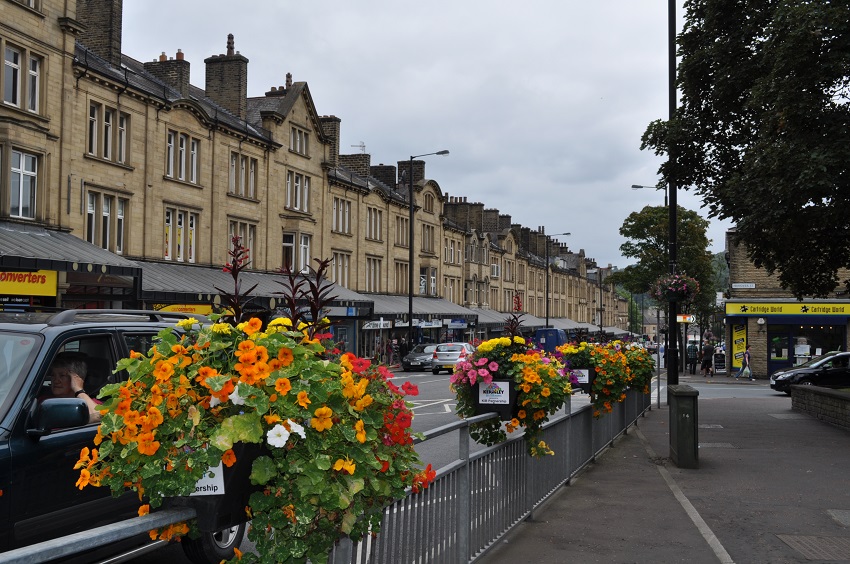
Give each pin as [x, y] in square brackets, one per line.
[38, 283]
[787, 308]
[200, 309]
[739, 344]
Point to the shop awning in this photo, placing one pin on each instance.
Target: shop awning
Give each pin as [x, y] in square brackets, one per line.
[174, 283]
[391, 305]
[30, 247]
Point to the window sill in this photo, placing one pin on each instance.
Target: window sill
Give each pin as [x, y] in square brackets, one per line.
[107, 161]
[245, 198]
[182, 182]
[341, 233]
[297, 216]
[42, 121]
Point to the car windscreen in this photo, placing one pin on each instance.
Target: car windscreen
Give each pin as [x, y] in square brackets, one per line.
[419, 349]
[17, 352]
[817, 361]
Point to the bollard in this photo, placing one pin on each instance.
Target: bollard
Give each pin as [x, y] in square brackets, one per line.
[684, 422]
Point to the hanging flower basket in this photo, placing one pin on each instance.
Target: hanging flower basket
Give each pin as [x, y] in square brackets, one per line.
[675, 287]
[497, 396]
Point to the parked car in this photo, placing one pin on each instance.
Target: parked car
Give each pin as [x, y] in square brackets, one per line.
[41, 435]
[447, 355]
[419, 358]
[830, 370]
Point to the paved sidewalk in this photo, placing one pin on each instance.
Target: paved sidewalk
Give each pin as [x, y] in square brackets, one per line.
[772, 487]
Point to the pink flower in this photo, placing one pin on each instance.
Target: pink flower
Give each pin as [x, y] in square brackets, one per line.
[487, 379]
[473, 377]
[483, 372]
[493, 366]
[481, 361]
[472, 373]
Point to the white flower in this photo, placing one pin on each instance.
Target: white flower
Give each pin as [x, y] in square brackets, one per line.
[236, 398]
[296, 428]
[277, 436]
[214, 401]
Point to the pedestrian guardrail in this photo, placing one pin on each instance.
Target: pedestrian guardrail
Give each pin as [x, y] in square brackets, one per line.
[472, 503]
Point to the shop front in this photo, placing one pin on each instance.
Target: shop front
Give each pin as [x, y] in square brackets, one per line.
[784, 333]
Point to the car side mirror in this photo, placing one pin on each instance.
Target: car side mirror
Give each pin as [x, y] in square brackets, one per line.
[59, 413]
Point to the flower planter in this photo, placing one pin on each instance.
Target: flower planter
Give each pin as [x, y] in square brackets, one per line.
[585, 378]
[499, 396]
[217, 511]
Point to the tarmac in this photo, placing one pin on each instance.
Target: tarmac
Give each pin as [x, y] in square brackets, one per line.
[771, 487]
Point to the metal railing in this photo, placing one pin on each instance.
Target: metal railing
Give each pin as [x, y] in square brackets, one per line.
[479, 498]
[472, 503]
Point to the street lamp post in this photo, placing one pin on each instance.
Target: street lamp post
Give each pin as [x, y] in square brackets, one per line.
[546, 243]
[639, 186]
[410, 246]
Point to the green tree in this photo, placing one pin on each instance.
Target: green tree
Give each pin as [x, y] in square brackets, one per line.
[762, 131]
[646, 234]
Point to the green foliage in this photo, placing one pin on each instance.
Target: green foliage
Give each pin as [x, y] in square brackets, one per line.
[763, 131]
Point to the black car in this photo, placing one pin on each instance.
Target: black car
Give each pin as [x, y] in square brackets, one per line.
[41, 435]
[419, 358]
[831, 370]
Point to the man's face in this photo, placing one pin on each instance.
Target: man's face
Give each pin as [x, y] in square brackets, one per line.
[60, 382]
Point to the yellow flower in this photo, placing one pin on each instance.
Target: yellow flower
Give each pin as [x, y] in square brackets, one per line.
[285, 321]
[221, 328]
[187, 323]
[360, 431]
[344, 465]
[322, 420]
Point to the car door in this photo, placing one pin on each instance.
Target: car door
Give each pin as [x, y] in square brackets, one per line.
[45, 502]
[836, 373]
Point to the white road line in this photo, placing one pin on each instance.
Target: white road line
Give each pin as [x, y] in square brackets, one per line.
[692, 512]
[428, 403]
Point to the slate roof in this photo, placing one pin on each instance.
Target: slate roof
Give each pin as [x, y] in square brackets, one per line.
[31, 247]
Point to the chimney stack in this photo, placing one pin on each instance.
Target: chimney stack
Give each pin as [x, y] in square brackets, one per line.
[227, 80]
[102, 34]
[174, 72]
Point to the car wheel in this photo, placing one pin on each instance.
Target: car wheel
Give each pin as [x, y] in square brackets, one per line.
[406, 369]
[212, 548]
[805, 383]
[435, 371]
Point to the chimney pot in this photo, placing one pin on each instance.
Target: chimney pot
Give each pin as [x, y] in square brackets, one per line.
[162, 57]
[179, 54]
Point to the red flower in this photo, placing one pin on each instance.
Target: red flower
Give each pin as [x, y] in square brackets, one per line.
[410, 389]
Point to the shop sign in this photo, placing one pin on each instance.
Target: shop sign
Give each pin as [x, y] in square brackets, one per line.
[743, 285]
[456, 323]
[199, 309]
[434, 324]
[381, 324]
[787, 308]
[38, 283]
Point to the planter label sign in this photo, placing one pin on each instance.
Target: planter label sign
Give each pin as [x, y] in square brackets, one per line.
[583, 377]
[494, 393]
[209, 485]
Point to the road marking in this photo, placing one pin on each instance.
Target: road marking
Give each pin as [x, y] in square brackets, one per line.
[428, 403]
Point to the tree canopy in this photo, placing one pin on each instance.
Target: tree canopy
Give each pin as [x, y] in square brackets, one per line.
[762, 131]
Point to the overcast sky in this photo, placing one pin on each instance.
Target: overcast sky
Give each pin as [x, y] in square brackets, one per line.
[541, 103]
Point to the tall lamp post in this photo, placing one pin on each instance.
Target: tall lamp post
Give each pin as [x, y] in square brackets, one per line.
[640, 186]
[410, 246]
[547, 274]
[601, 308]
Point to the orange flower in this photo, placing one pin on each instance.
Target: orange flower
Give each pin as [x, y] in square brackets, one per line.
[83, 481]
[246, 346]
[252, 326]
[282, 385]
[303, 400]
[144, 509]
[521, 414]
[363, 403]
[163, 371]
[322, 420]
[147, 444]
[360, 431]
[344, 465]
[228, 457]
[285, 356]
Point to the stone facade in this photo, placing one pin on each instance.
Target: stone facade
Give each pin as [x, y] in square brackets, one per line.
[133, 158]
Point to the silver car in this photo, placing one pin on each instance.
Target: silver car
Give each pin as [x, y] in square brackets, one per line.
[447, 355]
[419, 358]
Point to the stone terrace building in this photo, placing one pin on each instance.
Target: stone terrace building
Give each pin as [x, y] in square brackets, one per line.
[123, 185]
[781, 330]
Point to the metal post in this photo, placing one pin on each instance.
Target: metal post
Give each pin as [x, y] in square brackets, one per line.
[410, 247]
[464, 498]
[546, 244]
[672, 326]
[658, 352]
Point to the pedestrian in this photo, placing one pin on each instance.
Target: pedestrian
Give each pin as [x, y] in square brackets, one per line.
[707, 358]
[693, 353]
[745, 370]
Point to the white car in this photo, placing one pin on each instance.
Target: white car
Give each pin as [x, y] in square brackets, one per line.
[447, 355]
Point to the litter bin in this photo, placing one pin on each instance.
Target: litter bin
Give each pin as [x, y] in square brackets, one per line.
[684, 422]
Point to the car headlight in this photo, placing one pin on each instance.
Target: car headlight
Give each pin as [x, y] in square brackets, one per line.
[781, 376]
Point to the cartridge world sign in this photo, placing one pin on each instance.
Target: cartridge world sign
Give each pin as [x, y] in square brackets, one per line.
[787, 308]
